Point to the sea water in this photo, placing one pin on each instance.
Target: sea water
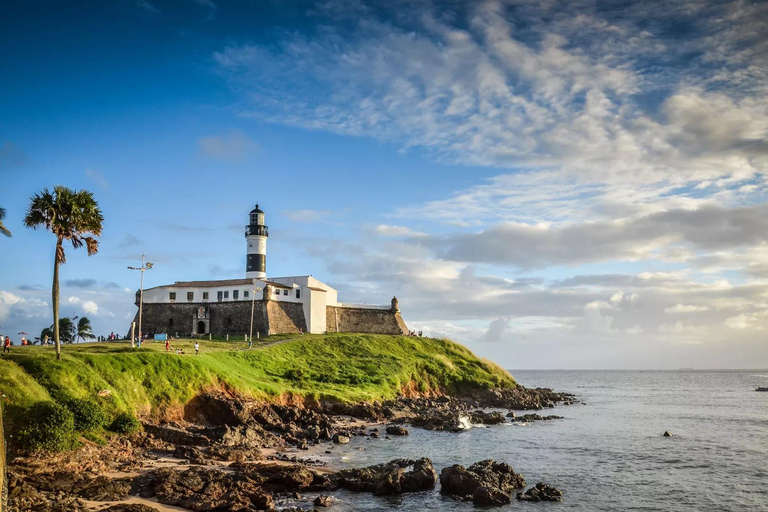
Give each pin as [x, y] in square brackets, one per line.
[609, 454]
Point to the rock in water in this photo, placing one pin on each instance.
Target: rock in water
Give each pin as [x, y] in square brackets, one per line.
[323, 501]
[667, 434]
[489, 496]
[397, 430]
[340, 439]
[462, 482]
[541, 492]
[390, 478]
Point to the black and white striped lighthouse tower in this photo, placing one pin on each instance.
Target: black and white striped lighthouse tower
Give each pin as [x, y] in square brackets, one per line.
[256, 234]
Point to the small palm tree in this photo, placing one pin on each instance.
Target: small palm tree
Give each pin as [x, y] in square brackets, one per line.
[84, 330]
[70, 216]
[3, 229]
[67, 330]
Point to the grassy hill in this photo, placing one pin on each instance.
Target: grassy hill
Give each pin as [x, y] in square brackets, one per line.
[150, 382]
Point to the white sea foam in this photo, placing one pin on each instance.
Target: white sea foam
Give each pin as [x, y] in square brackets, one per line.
[464, 423]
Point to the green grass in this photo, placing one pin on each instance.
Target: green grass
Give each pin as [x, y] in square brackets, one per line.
[151, 382]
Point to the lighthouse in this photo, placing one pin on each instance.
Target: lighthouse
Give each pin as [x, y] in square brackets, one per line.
[256, 234]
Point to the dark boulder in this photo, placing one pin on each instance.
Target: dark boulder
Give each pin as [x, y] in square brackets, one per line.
[397, 430]
[395, 477]
[541, 492]
[340, 439]
[489, 496]
[323, 501]
[460, 481]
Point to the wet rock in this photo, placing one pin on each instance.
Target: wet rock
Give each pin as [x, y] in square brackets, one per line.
[397, 430]
[323, 501]
[541, 492]
[103, 489]
[490, 496]
[203, 490]
[487, 418]
[282, 478]
[175, 435]
[460, 481]
[667, 434]
[340, 439]
[525, 418]
[394, 477]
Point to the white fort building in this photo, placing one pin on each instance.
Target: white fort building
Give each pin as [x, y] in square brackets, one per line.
[279, 304]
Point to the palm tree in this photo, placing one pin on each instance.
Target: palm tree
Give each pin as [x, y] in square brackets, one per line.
[3, 229]
[71, 216]
[66, 330]
[84, 329]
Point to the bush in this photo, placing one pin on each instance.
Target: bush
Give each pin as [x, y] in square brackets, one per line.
[88, 414]
[125, 423]
[47, 426]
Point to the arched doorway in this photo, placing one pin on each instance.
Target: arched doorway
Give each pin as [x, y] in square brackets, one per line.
[201, 327]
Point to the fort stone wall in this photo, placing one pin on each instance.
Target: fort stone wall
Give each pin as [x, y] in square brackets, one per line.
[374, 321]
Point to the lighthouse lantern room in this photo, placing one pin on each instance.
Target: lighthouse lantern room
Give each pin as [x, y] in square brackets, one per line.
[256, 234]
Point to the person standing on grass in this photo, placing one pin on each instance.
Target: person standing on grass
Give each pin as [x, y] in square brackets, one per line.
[167, 345]
[197, 348]
[7, 345]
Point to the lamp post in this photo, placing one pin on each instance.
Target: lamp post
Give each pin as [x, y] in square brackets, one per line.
[145, 265]
[254, 289]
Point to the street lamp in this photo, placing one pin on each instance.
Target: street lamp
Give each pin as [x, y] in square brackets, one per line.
[254, 289]
[145, 265]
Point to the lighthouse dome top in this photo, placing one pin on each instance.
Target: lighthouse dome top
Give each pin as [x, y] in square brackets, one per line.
[256, 209]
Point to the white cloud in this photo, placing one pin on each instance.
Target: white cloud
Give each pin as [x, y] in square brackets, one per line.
[685, 308]
[73, 300]
[397, 231]
[91, 307]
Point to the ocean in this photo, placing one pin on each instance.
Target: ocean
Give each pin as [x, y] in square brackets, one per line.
[610, 453]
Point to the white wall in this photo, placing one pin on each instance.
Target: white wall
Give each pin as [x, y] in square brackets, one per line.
[307, 281]
[314, 310]
[161, 294]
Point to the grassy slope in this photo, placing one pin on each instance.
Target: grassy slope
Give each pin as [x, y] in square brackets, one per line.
[347, 367]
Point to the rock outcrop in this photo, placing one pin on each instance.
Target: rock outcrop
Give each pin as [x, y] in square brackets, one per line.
[494, 477]
[541, 492]
[394, 477]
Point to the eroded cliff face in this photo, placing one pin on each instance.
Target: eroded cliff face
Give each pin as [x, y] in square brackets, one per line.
[372, 321]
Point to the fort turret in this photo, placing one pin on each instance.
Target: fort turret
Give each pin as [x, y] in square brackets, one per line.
[256, 234]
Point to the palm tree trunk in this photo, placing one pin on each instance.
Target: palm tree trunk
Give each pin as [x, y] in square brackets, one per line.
[55, 300]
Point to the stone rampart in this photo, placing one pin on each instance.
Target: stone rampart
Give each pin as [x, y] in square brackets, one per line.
[357, 319]
[221, 318]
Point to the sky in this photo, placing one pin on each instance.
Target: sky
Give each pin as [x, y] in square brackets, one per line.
[553, 184]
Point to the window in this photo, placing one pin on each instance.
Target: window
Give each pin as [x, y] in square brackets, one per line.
[285, 292]
[226, 294]
[170, 322]
[235, 294]
[298, 293]
[173, 295]
[205, 295]
[219, 295]
[277, 291]
[245, 294]
[190, 296]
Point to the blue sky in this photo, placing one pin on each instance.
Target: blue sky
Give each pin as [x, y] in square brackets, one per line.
[577, 186]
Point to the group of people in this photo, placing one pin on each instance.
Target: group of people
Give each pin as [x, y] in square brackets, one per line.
[414, 333]
[180, 351]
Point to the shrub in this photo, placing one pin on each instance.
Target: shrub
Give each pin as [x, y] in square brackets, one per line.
[88, 414]
[125, 423]
[47, 426]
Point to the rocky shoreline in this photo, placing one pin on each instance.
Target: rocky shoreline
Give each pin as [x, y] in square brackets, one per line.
[230, 454]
